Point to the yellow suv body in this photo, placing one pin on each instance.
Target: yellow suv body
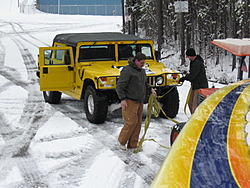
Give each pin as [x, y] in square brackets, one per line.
[86, 66]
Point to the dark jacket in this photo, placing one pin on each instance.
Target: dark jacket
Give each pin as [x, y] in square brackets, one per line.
[132, 83]
[197, 74]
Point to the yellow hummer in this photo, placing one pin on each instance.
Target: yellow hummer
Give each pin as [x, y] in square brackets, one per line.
[86, 66]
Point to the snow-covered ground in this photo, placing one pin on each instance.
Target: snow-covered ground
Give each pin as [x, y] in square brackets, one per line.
[54, 146]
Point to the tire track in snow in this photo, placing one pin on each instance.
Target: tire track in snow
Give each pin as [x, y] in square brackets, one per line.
[17, 143]
[33, 115]
[136, 162]
[32, 177]
[32, 118]
[80, 165]
[71, 172]
[24, 32]
[29, 61]
[8, 72]
[2, 54]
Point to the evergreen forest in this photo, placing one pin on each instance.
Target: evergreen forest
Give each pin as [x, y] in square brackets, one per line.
[204, 21]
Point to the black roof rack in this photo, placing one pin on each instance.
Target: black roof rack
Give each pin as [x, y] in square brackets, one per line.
[72, 39]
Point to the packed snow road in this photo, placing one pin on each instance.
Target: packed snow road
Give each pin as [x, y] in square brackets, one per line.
[45, 145]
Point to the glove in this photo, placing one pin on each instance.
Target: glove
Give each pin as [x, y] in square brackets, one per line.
[184, 72]
[182, 79]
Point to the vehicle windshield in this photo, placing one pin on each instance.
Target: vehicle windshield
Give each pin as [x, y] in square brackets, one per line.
[97, 53]
[107, 52]
[130, 50]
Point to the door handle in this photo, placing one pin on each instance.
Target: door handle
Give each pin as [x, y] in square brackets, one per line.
[45, 70]
[70, 68]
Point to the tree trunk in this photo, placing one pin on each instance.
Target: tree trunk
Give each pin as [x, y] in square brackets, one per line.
[123, 17]
[159, 24]
[182, 39]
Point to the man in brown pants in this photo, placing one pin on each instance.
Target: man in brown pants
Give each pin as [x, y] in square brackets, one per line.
[131, 89]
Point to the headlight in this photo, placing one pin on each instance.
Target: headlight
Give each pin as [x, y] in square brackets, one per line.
[159, 80]
[169, 76]
[172, 76]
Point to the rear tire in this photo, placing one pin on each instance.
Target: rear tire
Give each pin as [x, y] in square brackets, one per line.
[170, 103]
[95, 105]
[52, 97]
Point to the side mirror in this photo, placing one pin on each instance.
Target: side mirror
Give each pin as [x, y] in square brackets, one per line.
[67, 59]
[158, 55]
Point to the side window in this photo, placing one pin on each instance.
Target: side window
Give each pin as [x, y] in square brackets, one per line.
[97, 53]
[47, 54]
[126, 51]
[146, 49]
[56, 57]
[59, 54]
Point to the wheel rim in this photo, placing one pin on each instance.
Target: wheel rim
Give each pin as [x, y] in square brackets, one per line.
[91, 104]
[174, 136]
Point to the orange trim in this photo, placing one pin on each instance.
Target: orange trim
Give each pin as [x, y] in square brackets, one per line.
[238, 150]
[225, 47]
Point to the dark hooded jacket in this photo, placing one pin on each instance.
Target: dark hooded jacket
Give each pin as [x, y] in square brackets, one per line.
[197, 74]
[132, 83]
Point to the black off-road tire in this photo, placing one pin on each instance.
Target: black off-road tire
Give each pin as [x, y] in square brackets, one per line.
[175, 132]
[95, 105]
[52, 97]
[170, 103]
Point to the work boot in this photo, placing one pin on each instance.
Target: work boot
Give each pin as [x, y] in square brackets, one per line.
[123, 147]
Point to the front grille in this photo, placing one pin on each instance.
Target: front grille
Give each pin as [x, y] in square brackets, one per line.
[151, 80]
